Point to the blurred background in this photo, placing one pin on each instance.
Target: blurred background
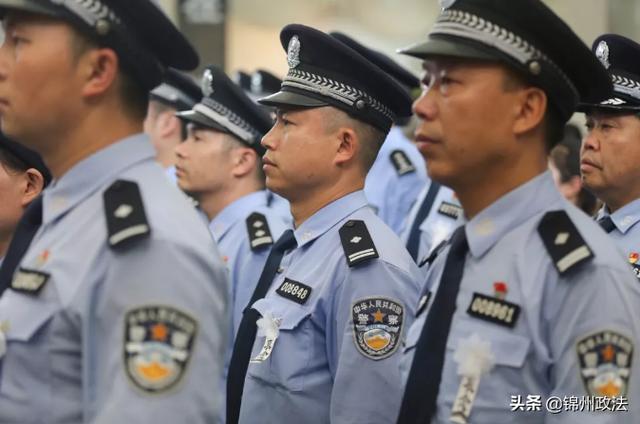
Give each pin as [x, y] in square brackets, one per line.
[243, 34]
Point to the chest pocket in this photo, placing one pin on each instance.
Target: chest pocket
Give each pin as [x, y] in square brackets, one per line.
[288, 363]
[21, 316]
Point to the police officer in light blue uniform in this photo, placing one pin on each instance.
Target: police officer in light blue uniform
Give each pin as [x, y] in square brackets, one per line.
[610, 150]
[334, 305]
[398, 174]
[114, 297]
[178, 91]
[529, 300]
[223, 153]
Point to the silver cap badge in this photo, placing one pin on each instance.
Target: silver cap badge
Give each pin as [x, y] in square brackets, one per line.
[207, 83]
[602, 53]
[293, 52]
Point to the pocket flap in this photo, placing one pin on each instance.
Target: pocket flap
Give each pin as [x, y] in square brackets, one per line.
[509, 350]
[289, 315]
[23, 315]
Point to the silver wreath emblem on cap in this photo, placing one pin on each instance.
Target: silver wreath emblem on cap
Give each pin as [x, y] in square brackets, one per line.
[207, 83]
[602, 53]
[445, 4]
[293, 52]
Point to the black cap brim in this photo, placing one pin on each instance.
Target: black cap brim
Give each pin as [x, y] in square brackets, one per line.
[197, 118]
[27, 6]
[289, 98]
[441, 47]
[589, 108]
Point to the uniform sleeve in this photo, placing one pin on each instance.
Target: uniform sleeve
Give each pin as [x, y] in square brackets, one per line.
[593, 332]
[156, 343]
[372, 310]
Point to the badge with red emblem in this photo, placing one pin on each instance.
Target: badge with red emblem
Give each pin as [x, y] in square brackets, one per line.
[605, 363]
[158, 345]
[634, 260]
[377, 326]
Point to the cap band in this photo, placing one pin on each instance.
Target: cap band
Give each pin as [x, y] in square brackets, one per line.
[340, 91]
[229, 120]
[90, 11]
[466, 25]
[626, 86]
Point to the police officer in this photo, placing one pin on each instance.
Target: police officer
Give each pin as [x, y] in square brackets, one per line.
[335, 295]
[220, 165]
[23, 176]
[177, 92]
[398, 175]
[423, 213]
[116, 312]
[610, 151]
[530, 299]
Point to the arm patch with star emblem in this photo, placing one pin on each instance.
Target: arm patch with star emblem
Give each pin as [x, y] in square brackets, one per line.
[356, 242]
[377, 326]
[259, 232]
[125, 215]
[564, 243]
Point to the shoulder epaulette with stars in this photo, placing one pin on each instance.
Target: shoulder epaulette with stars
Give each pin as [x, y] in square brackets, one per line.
[401, 162]
[258, 231]
[565, 245]
[125, 215]
[357, 243]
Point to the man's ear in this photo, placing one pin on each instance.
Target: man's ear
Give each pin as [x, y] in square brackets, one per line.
[245, 160]
[348, 145]
[99, 69]
[168, 124]
[33, 187]
[530, 111]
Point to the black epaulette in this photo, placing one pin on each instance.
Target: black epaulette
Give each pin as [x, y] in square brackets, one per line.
[124, 210]
[259, 232]
[401, 162]
[564, 243]
[434, 254]
[356, 242]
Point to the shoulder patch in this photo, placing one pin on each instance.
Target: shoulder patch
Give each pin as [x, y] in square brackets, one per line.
[564, 243]
[356, 242]
[605, 363]
[124, 210]
[450, 209]
[259, 232]
[377, 326]
[401, 162]
[158, 343]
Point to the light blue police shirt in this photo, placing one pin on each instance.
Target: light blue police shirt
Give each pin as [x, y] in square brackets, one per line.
[335, 358]
[566, 324]
[390, 192]
[439, 223]
[626, 234]
[115, 335]
[229, 229]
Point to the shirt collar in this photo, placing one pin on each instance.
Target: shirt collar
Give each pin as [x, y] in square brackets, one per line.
[327, 217]
[236, 210]
[510, 211]
[94, 172]
[625, 217]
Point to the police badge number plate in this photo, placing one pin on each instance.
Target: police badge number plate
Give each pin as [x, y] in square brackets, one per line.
[158, 345]
[605, 363]
[377, 326]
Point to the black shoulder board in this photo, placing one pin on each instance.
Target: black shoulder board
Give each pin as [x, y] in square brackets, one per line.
[259, 232]
[356, 242]
[434, 254]
[564, 243]
[401, 162]
[124, 210]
